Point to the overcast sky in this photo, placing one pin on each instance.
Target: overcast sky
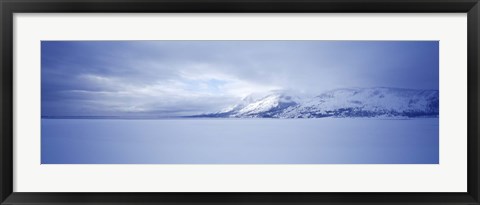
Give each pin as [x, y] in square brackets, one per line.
[174, 78]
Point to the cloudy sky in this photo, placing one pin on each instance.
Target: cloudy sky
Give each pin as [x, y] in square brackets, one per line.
[175, 78]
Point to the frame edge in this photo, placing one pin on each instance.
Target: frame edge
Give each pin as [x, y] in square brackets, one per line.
[473, 26]
[7, 196]
[6, 93]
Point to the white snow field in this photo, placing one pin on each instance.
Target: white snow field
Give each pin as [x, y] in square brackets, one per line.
[241, 141]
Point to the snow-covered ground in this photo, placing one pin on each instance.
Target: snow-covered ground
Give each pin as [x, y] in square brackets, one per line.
[240, 141]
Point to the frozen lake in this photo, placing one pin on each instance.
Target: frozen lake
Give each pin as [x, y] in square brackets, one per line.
[240, 141]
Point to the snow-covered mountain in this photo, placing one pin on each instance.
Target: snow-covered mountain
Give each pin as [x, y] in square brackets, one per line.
[350, 102]
[266, 105]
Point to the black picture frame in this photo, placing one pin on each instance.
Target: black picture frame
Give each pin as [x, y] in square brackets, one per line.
[9, 7]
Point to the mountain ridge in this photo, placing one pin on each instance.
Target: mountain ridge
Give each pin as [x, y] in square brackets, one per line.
[342, 102]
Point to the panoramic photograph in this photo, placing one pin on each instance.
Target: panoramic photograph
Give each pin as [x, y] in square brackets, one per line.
[240, 102]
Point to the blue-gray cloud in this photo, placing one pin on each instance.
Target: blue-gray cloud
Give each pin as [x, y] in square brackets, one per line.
[168, 78]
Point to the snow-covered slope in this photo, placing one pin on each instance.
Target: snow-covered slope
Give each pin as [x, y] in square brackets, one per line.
[268, 105]
[368, 102]
[351, 102]
[271, 105]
